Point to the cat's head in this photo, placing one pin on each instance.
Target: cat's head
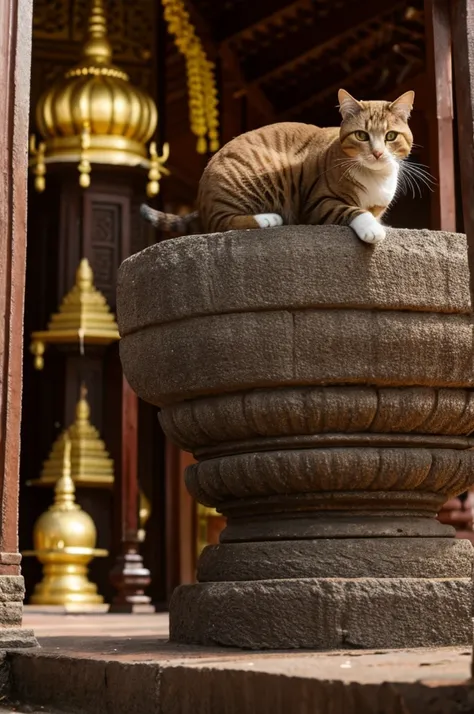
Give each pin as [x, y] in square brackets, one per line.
[375, 134]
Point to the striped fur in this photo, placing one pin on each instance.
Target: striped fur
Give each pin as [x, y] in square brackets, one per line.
[306, 174]
[171, 223]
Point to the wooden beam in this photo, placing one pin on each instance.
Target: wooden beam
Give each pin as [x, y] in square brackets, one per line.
[440, 115]
[417, 84]
[229, 58]
[341, 78]
[238, 23]
[311, 39]
[253, 93]
[462, 20]
[322, 84]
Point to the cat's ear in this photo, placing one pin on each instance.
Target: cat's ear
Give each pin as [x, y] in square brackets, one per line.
[348, 106]
[403, 105]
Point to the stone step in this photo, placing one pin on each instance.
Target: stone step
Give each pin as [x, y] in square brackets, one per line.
[172, 679]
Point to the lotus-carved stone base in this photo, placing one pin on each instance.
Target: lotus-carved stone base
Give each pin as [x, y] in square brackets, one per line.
[325, 389]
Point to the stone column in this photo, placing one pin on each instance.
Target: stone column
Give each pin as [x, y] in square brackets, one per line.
[15, 55]
[325, 389]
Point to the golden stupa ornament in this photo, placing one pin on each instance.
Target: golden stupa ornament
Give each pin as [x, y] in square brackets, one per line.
[84, 317]
[91, 463]
[64, 539]
[94, 115]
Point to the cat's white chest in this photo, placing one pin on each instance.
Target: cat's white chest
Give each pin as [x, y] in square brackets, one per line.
[378, 190]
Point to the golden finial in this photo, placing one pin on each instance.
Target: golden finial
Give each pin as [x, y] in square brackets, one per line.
[38, 164]
[84, 276]
[64, 489]
[157, 168]
[83, 410]
[84, 166]
[97, 46]
[37, 350]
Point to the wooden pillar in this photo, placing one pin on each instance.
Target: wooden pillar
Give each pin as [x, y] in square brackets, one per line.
[439, 71]
[181, 525]
[462, 27]
[129, 576]
[463, 56]
[15, 58]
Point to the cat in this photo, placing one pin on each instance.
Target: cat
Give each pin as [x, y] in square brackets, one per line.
[292, 173]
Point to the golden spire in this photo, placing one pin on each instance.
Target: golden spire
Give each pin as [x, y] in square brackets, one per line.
[97, 46]
[84, 317]
[89, 458]
[64, 490]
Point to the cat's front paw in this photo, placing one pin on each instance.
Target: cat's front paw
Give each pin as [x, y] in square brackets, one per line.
[367, 228]
[268, 220]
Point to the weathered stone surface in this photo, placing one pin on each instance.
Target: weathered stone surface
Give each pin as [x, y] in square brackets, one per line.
[296, 411]
[311, 686]
[444, 471]
[292, 267]
[305, 525]
[167, 679]
[264, 321]
[13, 638]
[12, 588]
[252, 350]
[325, 388]
[337, 558]
[318, 613]
[12, 635]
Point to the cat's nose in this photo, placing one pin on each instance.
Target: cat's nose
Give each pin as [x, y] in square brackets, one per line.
[377, 154]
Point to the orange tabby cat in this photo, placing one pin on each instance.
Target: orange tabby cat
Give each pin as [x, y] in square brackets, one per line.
[296, 173]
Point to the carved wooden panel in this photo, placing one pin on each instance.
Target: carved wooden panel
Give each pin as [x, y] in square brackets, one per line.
[130, 25]
[106, 237]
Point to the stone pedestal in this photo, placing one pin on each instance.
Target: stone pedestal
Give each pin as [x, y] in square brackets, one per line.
[324, 387]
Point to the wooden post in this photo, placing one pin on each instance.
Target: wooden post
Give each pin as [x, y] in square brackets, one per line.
[15, 58]
[439, 69]
[180, 521]
[462, 23]
[129, 576]
[463, 56]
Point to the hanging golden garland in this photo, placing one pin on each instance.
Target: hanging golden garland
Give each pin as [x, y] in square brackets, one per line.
[203, 111]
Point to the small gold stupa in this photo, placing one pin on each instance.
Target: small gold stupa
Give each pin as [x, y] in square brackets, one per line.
[64, 539]
[93, 114]
[84, 317]
[90, 461]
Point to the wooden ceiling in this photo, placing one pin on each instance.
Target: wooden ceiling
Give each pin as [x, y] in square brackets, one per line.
[293, 55]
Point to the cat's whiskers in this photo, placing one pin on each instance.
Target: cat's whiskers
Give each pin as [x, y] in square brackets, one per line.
[417, 174]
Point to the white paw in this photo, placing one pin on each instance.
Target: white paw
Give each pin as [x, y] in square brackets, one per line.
[268, 220]
[367, 228]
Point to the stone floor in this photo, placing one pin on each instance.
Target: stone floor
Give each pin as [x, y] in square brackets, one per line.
[123, 664]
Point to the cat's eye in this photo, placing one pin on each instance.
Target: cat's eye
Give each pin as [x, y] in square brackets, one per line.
[361, 135]
[391, 135]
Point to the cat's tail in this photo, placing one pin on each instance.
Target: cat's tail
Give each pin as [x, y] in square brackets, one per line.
[169, 222]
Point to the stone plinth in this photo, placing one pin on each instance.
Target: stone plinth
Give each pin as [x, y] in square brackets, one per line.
[325, 388]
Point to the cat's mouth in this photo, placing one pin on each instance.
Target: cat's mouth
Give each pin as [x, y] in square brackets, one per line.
[381, 164]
